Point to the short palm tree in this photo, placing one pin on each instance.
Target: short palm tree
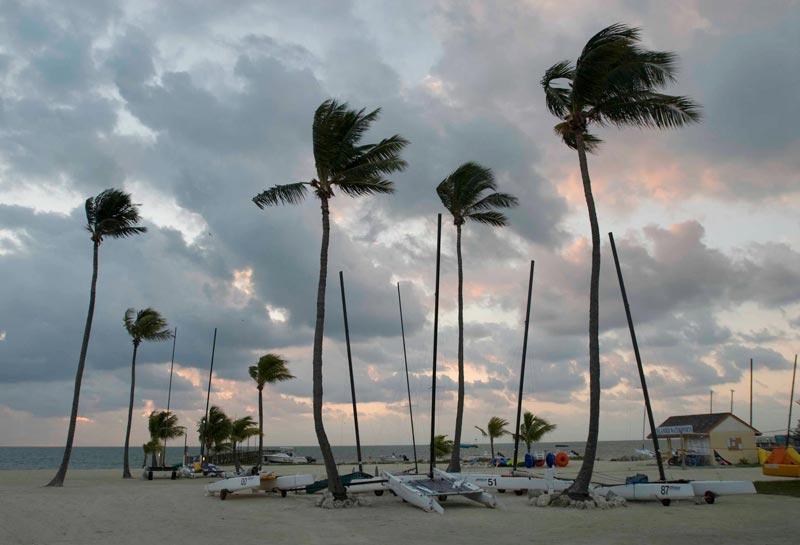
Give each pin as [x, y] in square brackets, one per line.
[533, 428]
[271, 368]
[151, 447]
[163, 425]
[355, 169]
[144, 325]
[241, 429]
[111, 214]
[494, 429]
[217, 432]
[614, 82]
[442, 446]
[469, 194]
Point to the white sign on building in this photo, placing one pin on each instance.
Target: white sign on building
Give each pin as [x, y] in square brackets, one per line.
[675, 430]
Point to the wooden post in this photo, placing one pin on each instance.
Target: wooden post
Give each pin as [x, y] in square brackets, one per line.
[751, 392]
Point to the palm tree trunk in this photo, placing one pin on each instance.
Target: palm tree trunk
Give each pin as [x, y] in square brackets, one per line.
[260, 426]
[334, 484]
[455, 456]
[491, 445]
[126, 470]
[580, 488]
[236, 463]
[58, 479]
[153, 460]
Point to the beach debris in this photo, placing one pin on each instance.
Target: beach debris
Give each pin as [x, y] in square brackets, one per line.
[327, 501]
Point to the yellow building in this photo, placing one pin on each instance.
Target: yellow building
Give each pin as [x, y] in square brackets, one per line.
[706, 434]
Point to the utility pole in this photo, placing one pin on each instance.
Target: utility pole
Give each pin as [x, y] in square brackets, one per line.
[751, 391]
[731, 400]
[711, 402]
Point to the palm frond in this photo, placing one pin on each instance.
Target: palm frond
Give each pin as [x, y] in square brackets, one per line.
[281, 194]
[270, 368]
[567, 134]
[493, 218]
[652, 110]
[494, 200]
[616, 33]
[558, 98]
[148, 325]
[366, 187]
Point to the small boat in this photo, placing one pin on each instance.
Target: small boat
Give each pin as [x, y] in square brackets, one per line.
[264, 481]
[347, 480]
[781, 462]
[283, 456]
[645, 452]
[425, 492]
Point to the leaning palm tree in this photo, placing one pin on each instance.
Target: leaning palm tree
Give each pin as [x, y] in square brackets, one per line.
[163, 425]
[614, 82]
[218, 430]
[533, 428]
[241, 429]
[494, 429]
[355, 169]
[271, 368]
[111, 214]
[469, 194]
[144, 325]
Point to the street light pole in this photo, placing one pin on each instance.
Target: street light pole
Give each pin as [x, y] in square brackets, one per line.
[731, 400]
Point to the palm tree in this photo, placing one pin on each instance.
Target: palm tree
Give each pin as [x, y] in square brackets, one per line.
[218, 430]
[342, 163]
[613, 82]
[533, 428]
[442, 446]
[151, 447]
[145, 325]
[241, 429]
[163, 425]
[271, 368]
[469, 194]
[109, 214]
[494, 429]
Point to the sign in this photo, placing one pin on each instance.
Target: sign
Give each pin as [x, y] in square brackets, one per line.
[675, 430]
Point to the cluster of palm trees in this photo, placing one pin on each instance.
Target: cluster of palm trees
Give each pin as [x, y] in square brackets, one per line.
[614, 81]
[531, 430]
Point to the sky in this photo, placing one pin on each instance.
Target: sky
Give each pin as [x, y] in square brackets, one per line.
[194, 107]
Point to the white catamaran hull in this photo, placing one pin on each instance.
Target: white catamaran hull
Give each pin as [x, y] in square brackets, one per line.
[648, 491]
[266, 483]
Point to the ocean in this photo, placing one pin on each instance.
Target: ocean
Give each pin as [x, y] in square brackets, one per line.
[111, 457]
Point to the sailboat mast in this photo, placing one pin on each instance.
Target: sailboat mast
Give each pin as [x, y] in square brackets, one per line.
[522, 368]
[208, 397]
[656, 449]
[435, 339]
[169, 391]
[408, 382]
[350, 366]
[791, 400]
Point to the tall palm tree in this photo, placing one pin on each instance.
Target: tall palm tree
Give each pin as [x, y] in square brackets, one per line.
[144, 325]
[218, 430]
[355, 169]
[469, 194]
[614, 82]
[241, 429]
[494, 429]
[111, 214]
[163, 425]
[533, 428]
[271, 368]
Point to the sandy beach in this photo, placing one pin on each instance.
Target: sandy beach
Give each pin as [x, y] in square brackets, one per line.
[97, 506]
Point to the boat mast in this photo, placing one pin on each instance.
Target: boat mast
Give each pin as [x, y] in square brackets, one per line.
[408, 382]
[208, 398]
[791, 400]
[660, 463]
[169, 391]
[522, 370]
[435, 339]
[350, 366]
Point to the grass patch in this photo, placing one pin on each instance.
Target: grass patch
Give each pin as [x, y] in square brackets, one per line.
[779, 488]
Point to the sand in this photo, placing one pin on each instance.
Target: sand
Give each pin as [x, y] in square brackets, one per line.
[97, 506]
